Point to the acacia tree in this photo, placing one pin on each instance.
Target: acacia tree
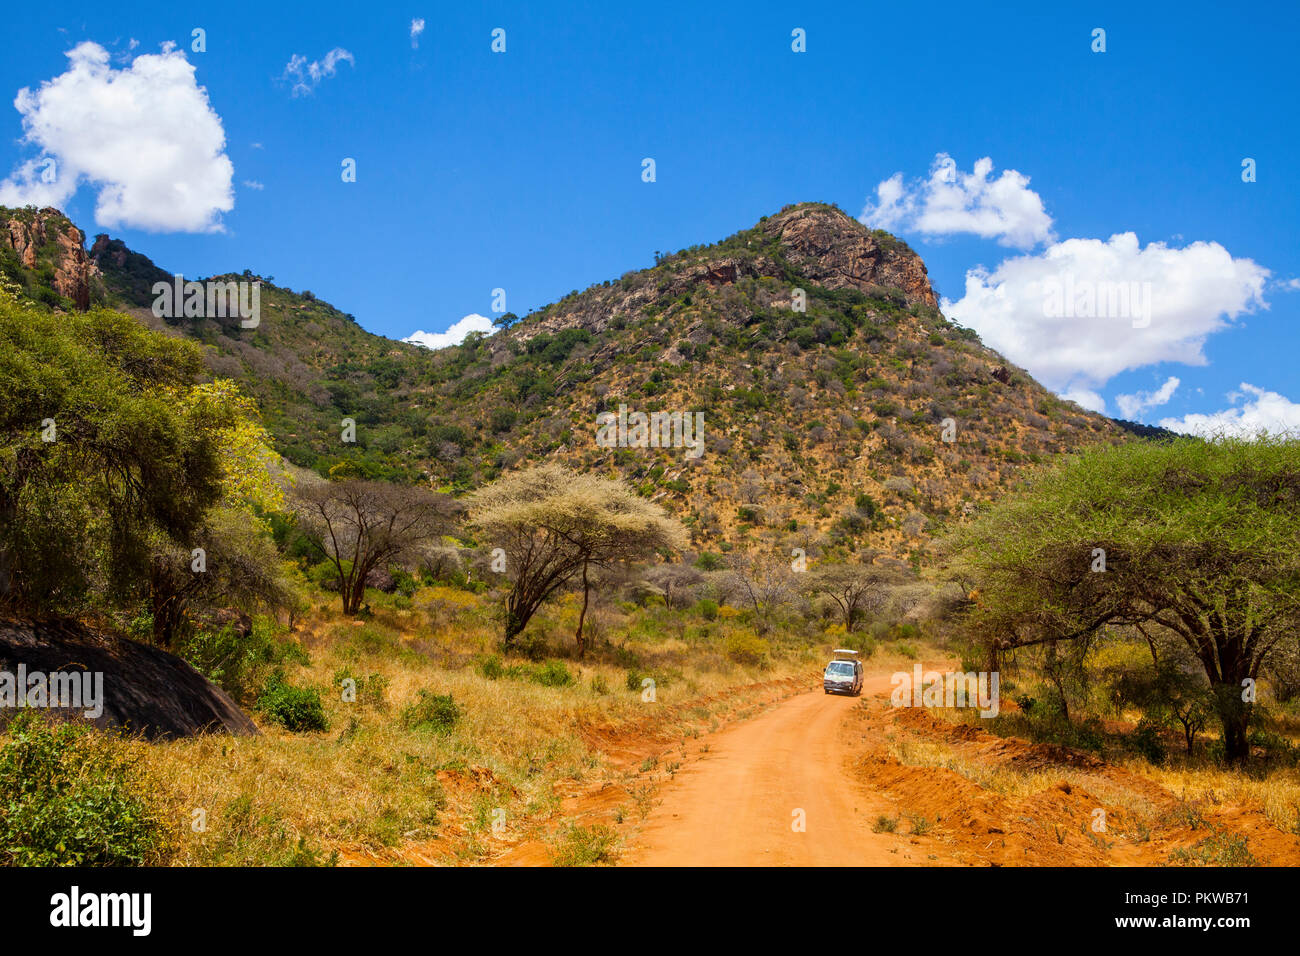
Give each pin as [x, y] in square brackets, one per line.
[856, 589]
[361, 525]
[764, 582]
[676, 581]
[1190, 538]
[556, 526]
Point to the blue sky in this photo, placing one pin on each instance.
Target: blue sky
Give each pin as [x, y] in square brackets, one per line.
[522, 170]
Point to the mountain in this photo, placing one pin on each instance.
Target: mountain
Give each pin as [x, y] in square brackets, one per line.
[825, 427]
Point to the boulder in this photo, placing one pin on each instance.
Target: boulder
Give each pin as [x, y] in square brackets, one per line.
[145, 690]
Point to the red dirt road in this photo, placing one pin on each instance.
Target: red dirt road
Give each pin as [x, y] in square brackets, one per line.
[736, 805]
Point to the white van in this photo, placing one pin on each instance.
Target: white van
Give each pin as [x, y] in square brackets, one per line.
[843, 675]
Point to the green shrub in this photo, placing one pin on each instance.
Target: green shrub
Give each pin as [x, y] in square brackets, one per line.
[532, 645]
[553, 674]
[491, 667]
[1146, 740]
[405, 583]
[293, 708]
[371, 689]
[1218, 849]
[68, 797]
[325, 576]
[237, 663]
[707, 609]
[585, 846]
[436, 712]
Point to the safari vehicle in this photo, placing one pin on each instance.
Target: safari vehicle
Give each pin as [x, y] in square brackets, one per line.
[843, 674]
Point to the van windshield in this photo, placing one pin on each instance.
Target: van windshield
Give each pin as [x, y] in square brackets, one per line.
[840, 668]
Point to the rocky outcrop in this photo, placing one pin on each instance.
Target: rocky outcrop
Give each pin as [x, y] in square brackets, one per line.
[828, 246]
[819, 242]
[127, 275]
[46, 237]
[146, 691]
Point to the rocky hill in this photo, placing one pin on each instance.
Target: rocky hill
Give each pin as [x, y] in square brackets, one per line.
[840, 409]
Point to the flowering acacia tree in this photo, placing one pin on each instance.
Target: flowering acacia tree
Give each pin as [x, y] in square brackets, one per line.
[556, 526]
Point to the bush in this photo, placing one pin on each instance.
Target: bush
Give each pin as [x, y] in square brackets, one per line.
[1146, 740]
[370, 689]
[436, 712]
[532, 645]
[553, 674]
[491, 667]
[707, 609]
[746, 648]
[325, 576]
[293, 708]
[68, 797]
[586, 846]
[236, 663]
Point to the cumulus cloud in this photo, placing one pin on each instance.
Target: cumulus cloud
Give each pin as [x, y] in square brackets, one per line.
[454, 335]
[417, 27]
[1132, 406]
[1085, 310]
[1251, 411]
[951, 202]
[145, 136]
[307, 75]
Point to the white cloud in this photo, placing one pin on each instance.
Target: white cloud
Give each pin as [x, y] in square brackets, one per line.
[1086, 398]
[1252, 410]
[951, 201]
[1179, 298]
[306, 76]
[145, 136]
[454, 335]
[254, 184]
[417, 27]
[1132, 406]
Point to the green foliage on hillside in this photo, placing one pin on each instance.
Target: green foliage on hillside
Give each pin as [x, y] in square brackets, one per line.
[858, 383]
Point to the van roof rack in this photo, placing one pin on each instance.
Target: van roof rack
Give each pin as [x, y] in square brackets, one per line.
[844, 650]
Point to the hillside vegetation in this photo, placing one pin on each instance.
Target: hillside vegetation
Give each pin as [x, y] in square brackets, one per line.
[866, 420]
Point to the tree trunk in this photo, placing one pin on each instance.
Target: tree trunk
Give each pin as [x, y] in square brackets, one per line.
[582, 615]
[514, 626]
[1234, 716]
[6, 573]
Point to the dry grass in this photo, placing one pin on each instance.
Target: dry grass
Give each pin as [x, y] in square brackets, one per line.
[371, 782]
